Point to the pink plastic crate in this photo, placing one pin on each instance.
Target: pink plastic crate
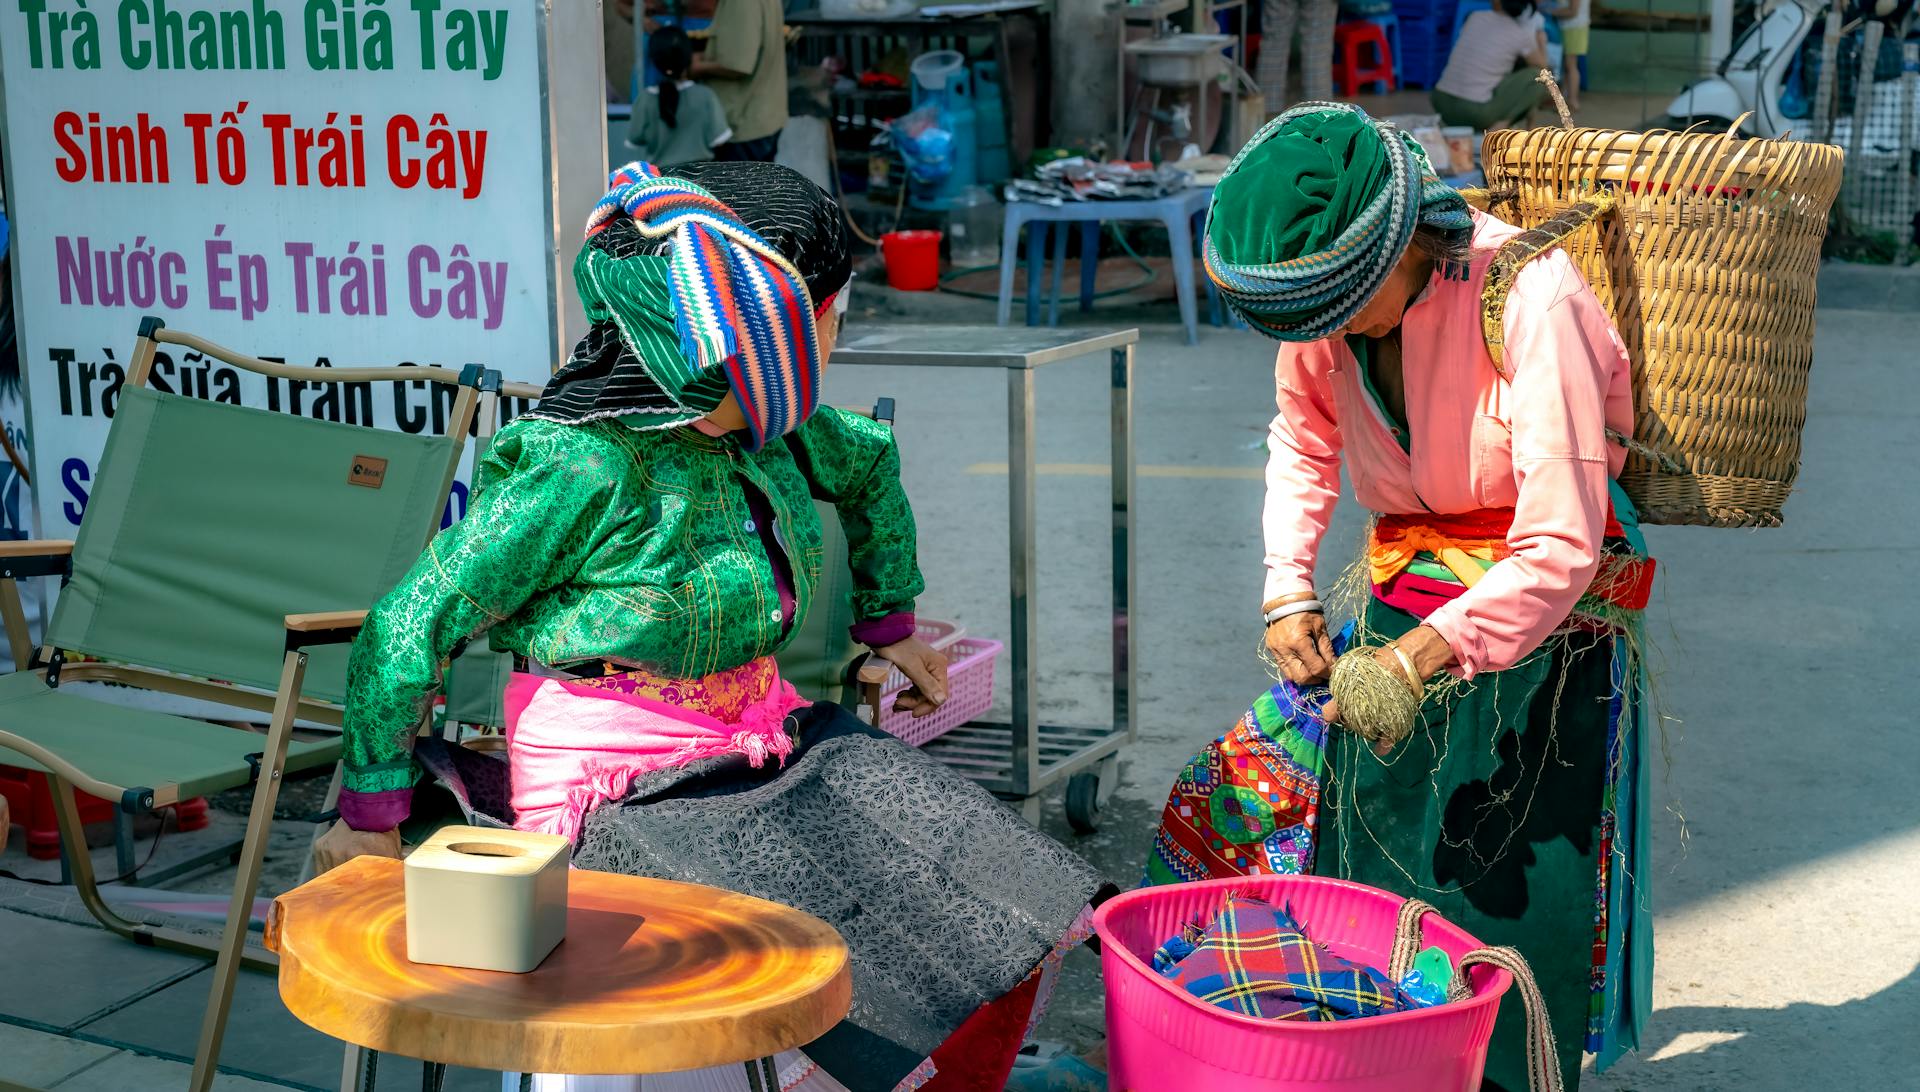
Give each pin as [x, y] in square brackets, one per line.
[969, 685]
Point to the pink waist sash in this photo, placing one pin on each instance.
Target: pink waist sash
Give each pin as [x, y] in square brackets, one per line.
[572, 746]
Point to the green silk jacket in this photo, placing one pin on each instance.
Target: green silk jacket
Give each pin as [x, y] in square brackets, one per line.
[604, 542]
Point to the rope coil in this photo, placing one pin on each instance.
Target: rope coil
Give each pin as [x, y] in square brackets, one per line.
[1375, 701]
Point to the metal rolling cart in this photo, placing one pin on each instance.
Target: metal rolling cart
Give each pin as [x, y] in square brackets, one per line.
[1020, 760]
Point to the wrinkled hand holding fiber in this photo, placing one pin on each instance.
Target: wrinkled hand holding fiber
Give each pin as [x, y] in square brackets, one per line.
[1312, 215]
[1375, 701]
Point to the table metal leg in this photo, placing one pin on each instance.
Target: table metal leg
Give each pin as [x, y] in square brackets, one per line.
[1060, 233]
[1123, 542]
[1030, 810]
[1180, 243]
[359, 1068]
[1089, 262]
[1201, 134]
[433, 1076]
[1021, 570]
[1036, 266]
[1009, 259]
[1120, 85]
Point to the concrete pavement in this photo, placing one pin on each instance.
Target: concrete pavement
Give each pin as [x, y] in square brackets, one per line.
[1786, 839]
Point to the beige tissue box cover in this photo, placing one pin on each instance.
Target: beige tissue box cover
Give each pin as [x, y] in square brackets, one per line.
[493, 900]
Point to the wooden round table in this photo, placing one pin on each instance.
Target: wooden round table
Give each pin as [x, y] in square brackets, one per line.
[653, 977]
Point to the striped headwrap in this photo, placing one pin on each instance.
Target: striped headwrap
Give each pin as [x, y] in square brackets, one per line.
[1313, 214]
[698, 283]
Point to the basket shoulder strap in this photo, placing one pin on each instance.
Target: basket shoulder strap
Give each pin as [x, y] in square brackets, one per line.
[1514, 255]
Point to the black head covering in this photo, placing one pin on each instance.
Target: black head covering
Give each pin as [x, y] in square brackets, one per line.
[603, 377]
[785, 208]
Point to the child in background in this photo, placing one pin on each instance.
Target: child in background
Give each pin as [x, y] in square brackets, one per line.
[678, 121]
[1575, 18]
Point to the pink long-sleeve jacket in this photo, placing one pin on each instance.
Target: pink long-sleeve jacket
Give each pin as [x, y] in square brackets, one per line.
[1534, 441]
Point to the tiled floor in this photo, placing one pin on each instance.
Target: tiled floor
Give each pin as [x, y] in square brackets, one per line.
[41, 1059]
[44, 1060]
[82, 1010]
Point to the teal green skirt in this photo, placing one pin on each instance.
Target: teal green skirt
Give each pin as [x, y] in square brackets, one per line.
[1516, 809]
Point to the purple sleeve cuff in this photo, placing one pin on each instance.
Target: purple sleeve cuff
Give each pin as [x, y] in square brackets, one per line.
[881, 632]
[375, 810]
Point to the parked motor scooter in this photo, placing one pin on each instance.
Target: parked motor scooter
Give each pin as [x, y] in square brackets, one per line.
[1751, 79]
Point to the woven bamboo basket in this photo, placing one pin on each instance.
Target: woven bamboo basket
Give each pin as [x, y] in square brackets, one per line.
[1704, 248]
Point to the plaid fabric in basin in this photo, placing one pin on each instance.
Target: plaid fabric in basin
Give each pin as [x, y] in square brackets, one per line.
[1255, 960]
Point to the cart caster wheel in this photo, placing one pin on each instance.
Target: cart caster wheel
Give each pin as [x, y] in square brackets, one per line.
[1083, 802]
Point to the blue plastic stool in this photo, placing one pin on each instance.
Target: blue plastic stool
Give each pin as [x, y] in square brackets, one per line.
[1176, 212]
[1217, 315]
[1389, 23]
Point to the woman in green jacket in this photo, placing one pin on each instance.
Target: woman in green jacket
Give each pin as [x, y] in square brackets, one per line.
[647, 536]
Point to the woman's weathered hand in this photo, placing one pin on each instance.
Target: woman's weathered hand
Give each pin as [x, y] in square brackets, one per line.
[341, 843]
[1301, 647]
[925, 667]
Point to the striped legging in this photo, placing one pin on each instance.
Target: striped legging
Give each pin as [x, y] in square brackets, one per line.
[1315, 20]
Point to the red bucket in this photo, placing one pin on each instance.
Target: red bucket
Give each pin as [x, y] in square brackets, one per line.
[913, 260]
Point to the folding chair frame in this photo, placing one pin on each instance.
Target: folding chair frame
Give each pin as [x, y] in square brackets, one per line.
[285, 706]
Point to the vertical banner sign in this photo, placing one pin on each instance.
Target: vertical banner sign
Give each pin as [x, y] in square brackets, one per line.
[329, 182]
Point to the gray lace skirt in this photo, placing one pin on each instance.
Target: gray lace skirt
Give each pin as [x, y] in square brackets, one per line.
[946, 899]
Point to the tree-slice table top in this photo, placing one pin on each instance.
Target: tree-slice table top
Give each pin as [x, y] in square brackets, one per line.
[653, 977]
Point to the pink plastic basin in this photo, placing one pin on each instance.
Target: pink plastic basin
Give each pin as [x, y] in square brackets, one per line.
[1160, 1039]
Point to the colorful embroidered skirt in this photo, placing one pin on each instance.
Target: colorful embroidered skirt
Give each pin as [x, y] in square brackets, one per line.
[1246, 805]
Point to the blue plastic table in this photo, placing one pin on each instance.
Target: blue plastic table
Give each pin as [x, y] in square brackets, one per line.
[1183, 214]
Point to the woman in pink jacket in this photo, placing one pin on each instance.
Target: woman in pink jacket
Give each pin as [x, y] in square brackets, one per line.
[1505, 572]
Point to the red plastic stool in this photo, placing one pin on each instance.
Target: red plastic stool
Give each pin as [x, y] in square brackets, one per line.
[1350, 72]
[30, 796]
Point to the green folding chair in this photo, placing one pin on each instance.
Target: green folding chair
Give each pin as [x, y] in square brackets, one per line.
[227, 554]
